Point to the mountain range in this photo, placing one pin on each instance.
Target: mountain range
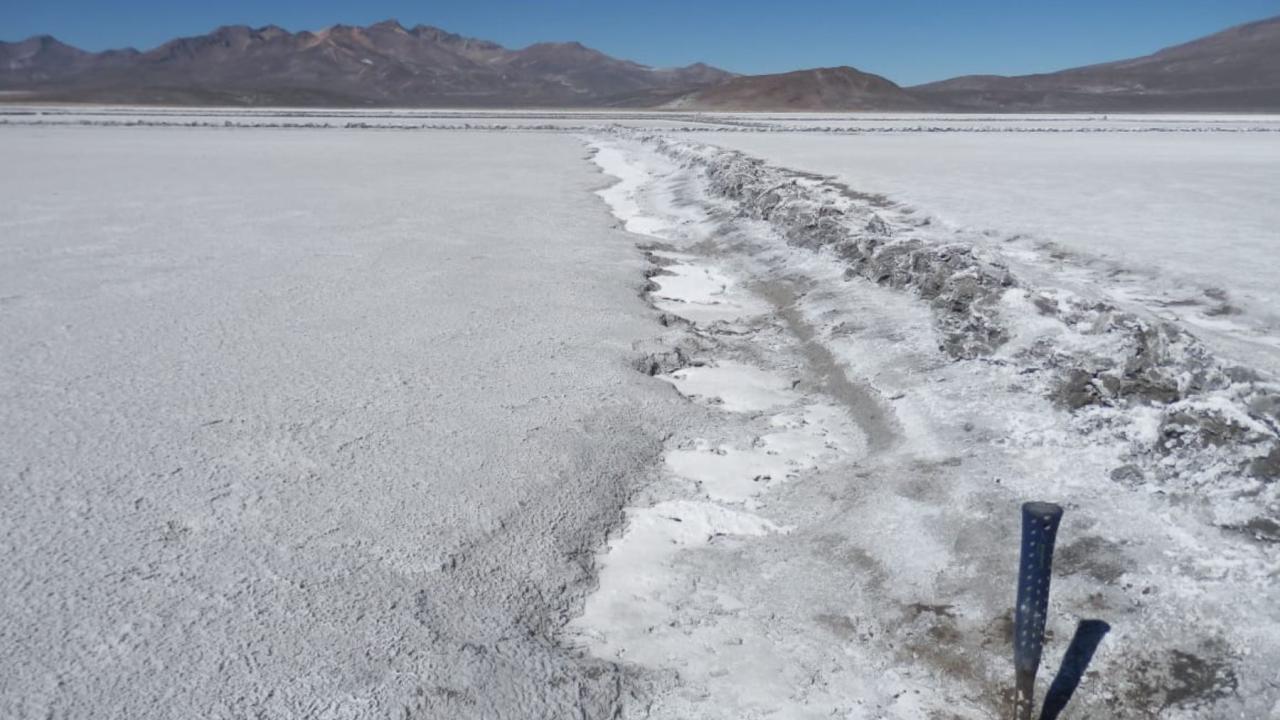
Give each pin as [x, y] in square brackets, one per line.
[383, 64]
[1236, 69]
[387, 64]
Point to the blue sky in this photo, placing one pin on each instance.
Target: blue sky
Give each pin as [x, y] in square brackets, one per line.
[910, 41]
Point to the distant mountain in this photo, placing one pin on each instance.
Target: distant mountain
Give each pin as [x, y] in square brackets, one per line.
[1236, 69]
[387, 64]
[824, 89]
[383, 64]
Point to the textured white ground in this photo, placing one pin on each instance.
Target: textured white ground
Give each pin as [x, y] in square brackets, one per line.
[310, 424]
[1157, 217]
[839, 539]
[348, 423]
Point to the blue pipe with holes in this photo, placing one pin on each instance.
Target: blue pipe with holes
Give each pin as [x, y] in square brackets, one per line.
[1039, 531]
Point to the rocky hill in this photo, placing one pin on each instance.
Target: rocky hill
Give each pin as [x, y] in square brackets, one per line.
[1237, 69]
[820, 89]
[383, 64]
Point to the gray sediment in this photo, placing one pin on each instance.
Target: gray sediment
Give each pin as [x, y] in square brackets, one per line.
[865, 406]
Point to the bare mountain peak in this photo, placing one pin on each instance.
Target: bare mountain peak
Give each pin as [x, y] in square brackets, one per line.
[852, 74]
[1264, 27]
[43, 43]
[342, 30]
[1254, 35]
[569, 48]
[243, 33]
[1237, 69]
[437, 35]
[432, 32]
[815, 89]
[567, 56]
[559, 45]
[389, 25]
[382, 64]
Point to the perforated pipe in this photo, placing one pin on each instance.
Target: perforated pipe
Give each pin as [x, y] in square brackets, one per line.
[1039, 530]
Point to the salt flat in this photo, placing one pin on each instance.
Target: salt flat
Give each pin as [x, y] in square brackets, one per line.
[304, 424]
[584, 414]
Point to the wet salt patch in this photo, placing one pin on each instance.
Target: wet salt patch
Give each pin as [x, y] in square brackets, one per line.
[704, 295]
[636, 579]
[736, 387]
[730, 474]
[652, 227]
[622, 196]
[693, 284]
[647, 612]
[818, 435]
[659, 531]
[704, 315]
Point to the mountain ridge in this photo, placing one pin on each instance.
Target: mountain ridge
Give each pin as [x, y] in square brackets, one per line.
[387, 64]
[1234, 69]
[816, 89]
[381, 64]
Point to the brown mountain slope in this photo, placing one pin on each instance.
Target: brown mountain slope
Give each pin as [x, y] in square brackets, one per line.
[1236, 69]
[820, 89]
[386, 64]
[383, 64]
